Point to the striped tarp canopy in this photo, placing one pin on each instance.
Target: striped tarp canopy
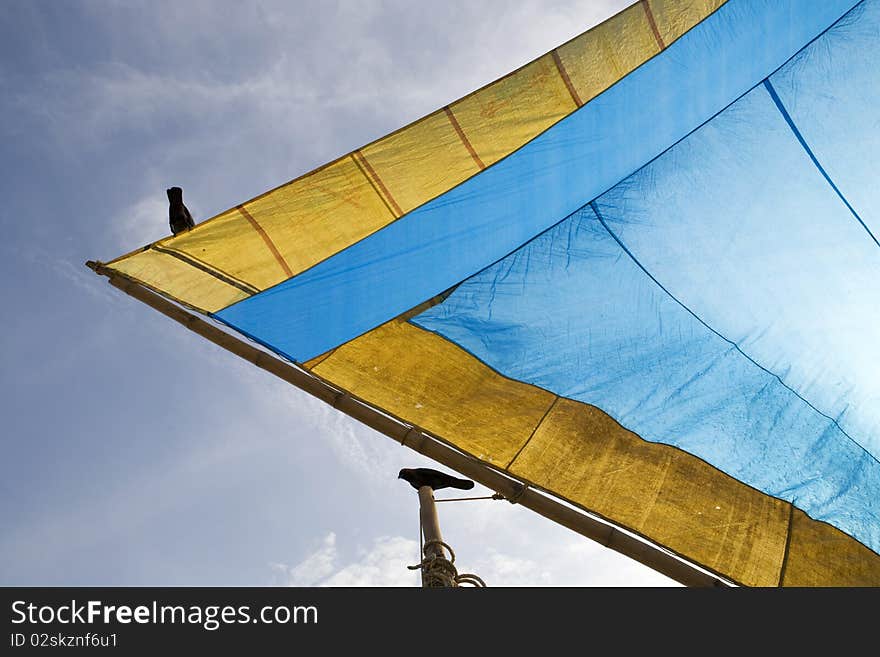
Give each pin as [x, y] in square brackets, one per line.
[640, 273]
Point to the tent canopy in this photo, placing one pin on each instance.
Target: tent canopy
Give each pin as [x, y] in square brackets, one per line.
[640, 273]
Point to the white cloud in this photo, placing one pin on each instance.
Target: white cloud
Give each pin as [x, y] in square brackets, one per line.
[576, 561]
[384, 564]
[304, 77]
[315, 567]
[505, 545]
[143, 223]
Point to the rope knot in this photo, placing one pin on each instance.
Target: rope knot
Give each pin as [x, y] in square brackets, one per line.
[440, 572]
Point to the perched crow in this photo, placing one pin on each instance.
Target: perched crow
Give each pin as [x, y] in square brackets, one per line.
[178, 216]
[418, 477]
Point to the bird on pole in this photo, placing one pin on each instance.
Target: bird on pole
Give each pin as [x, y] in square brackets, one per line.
[179, 217]
[418, 477]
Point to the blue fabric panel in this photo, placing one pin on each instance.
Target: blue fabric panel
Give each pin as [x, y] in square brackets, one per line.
[832, 92]
[739, 223]
[445, 241]
[573, 313]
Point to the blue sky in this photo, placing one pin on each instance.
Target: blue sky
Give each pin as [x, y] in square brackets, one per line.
[136, 453]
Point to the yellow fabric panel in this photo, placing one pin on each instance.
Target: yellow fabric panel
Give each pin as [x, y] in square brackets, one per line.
[598, 59]
[317, 216]
[178, 280]
[229, 243]
[580, 453]
[419, 376]
[822, 555]
[674, 17]
[502, 117]
[421, 161]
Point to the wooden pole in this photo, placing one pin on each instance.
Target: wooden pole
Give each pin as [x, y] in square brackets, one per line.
[436, 570]
[430, 522]
[433, 447]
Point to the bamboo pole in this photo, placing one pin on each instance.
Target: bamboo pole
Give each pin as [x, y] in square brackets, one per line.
[430, 522]
[415, 438]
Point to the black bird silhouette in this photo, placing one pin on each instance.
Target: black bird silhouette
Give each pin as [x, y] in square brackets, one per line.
[418, 477]
[178, 216]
